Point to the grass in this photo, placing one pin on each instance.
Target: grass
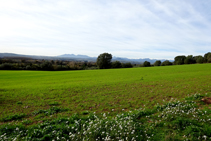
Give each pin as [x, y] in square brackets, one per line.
[50, 111]
[175, 120]
[98, 90]
[13, 117]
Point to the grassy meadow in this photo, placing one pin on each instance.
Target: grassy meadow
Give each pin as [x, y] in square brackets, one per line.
[99, 91]
[30, 98]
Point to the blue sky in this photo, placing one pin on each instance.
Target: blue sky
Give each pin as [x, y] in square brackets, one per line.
[159, 29]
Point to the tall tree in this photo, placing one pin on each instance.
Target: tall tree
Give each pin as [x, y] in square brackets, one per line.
[104, 61]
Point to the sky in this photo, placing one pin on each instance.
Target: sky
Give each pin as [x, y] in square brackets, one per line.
[156, 29]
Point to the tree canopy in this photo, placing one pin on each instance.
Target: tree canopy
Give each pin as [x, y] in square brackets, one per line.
[179, 60]
[104, 61]
[207, 57]
[146, 64]
[116, 64]
[166, 63]
[157, 63]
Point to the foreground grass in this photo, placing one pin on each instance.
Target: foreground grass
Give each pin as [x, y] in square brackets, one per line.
[176, 120]
[25, 92]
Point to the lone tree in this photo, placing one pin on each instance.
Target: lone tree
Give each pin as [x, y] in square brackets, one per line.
[104, 61]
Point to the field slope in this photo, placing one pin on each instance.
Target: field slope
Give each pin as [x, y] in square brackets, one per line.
[27, 92]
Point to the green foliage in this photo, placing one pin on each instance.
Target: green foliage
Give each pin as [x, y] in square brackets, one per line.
[46, 65]
[18, 64]
[199, 59]
[55, 103]
[6, 66]
[189, 60]
[51, 111]
[157, 63]
[127, 65]
[99, 90]
[207, 57]
[28, 67]
[27, 122]
[177, 120]
[104, 61]
[13, 117]
[85, 112]
[179, 60]
[19, 102]
[116, 64]
[146, 64]
[166, 63]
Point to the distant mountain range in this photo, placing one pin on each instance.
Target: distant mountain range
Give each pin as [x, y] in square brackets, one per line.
[73, 57]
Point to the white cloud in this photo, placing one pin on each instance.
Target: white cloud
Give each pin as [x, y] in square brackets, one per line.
[126, 28]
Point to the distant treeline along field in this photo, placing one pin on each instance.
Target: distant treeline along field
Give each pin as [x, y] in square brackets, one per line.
[104, 61]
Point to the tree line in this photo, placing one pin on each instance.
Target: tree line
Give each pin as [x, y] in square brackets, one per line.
[52, 65]
[104, 61]
[190, 59]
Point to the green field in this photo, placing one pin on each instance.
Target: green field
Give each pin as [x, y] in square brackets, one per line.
[101, 104]
[99, 91]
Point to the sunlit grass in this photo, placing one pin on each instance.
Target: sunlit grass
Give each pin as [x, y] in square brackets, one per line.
[99, 90]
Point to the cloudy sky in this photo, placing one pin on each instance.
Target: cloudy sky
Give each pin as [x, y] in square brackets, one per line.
[160, 29]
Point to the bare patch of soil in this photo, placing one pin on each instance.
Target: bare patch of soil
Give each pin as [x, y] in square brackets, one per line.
[206, 100]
